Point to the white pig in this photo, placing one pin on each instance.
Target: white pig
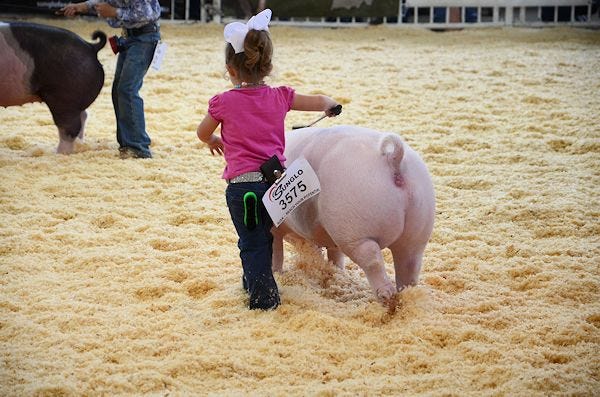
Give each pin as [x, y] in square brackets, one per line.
[376, 193]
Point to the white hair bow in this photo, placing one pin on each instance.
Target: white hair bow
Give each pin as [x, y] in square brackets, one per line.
[235, 32]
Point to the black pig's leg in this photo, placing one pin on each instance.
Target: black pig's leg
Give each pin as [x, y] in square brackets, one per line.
[68, 121]
[83, 117]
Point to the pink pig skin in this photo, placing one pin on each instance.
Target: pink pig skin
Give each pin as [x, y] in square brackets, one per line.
[376, 193]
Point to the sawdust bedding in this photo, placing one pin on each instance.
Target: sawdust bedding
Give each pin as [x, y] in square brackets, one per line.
[122, 276]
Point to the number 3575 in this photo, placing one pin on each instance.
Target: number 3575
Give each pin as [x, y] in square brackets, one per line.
[292, 194]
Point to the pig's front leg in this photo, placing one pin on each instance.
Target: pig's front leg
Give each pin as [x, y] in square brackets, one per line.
[367, 254]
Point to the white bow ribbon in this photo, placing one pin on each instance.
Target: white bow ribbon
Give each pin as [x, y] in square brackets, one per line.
[235, 32]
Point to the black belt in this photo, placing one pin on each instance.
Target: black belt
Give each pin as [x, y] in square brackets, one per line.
[148, 28]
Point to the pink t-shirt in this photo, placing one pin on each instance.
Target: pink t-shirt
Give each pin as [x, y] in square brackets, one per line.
[252, 125]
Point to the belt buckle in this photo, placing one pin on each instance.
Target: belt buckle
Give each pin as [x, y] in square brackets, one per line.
[252, 176]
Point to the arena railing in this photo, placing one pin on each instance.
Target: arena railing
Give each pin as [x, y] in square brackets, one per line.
[465, 13]
[440, 14]
[431, 14]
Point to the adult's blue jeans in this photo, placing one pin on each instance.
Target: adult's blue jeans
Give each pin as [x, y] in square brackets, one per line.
[132, 64]
[253, 226]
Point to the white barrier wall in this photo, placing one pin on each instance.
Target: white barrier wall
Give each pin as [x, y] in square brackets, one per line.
[209, 10]
[494, 13]
[449, 13]
[495, 3]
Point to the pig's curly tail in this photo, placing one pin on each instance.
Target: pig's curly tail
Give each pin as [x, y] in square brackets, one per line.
[99, 35]
[391, 146]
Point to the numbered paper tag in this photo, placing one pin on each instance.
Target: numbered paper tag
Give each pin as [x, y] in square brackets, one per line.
[297, 185]
[159, 54]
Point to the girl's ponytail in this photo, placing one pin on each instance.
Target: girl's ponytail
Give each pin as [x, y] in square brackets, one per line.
[255, 62]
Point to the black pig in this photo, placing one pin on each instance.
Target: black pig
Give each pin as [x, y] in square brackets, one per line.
[40, 63]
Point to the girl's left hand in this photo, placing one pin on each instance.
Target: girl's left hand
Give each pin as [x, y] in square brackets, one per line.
[215, 144]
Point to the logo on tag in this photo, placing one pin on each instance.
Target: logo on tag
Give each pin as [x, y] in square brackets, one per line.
[298, 184]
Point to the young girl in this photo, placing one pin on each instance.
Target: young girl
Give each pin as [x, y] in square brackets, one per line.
[252, 117]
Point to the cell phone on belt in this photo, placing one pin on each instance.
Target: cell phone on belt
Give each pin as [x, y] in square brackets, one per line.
[269, 167]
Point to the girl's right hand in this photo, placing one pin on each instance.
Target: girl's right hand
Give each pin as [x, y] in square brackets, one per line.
[314, 103]
[332, 111]
[215, 144]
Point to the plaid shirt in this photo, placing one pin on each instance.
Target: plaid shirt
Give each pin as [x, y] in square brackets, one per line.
[130, 13]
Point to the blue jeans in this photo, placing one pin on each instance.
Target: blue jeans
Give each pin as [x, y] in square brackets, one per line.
[253, 226]
[132, 64]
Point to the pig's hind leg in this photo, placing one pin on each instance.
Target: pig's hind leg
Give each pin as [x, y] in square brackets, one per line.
[69, 123]
[83, 117]
[67, 132]
[367, 254]
[407, 264]
[336, 257]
